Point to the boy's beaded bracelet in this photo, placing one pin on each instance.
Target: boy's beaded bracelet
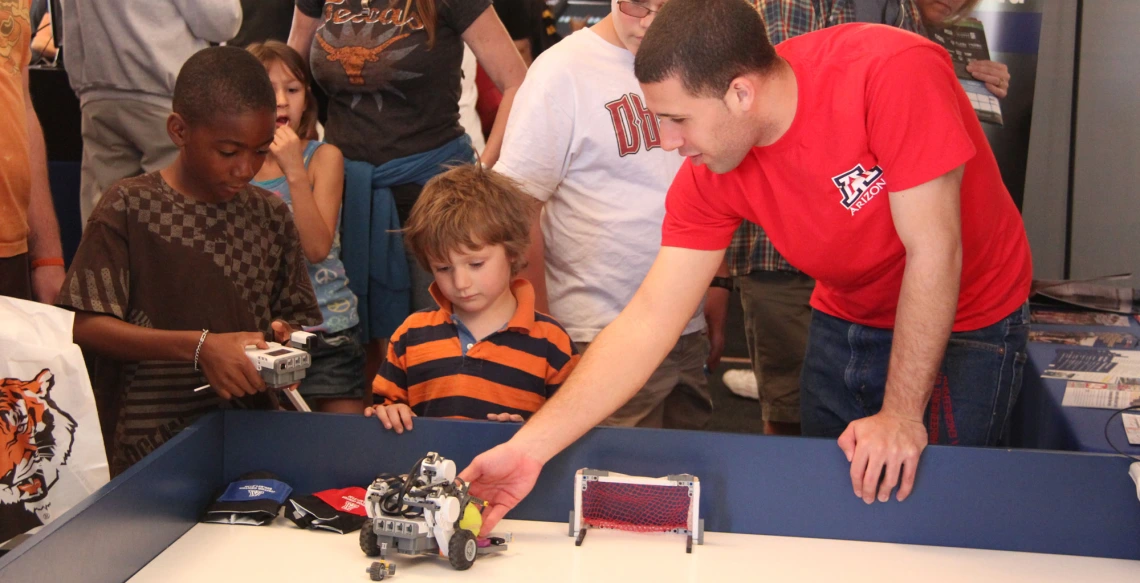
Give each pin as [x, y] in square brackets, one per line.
[198, 351]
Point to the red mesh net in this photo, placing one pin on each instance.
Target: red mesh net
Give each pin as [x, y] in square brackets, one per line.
[636, 507]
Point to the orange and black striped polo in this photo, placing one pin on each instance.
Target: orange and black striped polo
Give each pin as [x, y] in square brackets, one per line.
[514, 370]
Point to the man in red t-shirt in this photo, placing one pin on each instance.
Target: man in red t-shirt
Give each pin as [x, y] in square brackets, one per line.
[859, 154]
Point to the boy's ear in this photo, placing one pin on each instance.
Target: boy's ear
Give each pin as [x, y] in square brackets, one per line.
[177, 128]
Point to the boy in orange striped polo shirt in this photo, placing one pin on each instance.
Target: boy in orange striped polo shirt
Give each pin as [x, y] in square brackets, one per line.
[484, 353]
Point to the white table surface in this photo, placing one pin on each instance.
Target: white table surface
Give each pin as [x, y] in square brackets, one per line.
[543, 551]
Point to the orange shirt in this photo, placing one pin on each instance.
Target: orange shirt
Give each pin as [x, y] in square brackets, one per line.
[15, 168]
[514, 370]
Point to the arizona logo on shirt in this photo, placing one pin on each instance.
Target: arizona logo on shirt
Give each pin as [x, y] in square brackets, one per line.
[858, 186]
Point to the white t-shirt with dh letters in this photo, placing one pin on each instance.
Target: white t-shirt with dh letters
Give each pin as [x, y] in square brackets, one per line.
[580, 139]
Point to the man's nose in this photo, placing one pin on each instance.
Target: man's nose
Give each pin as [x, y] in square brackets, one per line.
[671, 138]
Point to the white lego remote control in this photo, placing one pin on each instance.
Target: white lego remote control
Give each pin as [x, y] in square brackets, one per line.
[280, 366]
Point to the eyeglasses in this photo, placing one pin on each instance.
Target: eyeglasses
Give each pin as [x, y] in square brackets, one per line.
[634, 9]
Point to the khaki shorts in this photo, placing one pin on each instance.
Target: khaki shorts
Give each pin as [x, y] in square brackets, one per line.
[121, 138]
[676, 396]
[777, 315]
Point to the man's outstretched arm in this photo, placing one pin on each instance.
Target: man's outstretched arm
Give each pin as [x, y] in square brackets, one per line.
[615, 367]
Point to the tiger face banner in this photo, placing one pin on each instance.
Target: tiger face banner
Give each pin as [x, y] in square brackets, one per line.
[51, 447]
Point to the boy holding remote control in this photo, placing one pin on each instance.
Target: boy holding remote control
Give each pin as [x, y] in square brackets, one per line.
[179, 270]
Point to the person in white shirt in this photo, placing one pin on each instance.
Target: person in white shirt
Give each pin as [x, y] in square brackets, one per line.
[581, 141]
[469, 94]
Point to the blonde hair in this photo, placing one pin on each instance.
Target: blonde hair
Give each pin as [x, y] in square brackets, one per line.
[272, 51]
[470, 207]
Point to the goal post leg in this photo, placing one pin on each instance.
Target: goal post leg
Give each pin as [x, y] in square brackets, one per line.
[576, 514]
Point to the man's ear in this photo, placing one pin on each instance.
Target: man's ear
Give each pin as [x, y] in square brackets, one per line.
[177, 128]
[741, 94]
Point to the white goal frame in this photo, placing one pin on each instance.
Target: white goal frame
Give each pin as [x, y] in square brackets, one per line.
[584, 477]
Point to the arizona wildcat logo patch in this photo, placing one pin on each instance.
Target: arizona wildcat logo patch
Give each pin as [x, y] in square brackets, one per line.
[858, 186]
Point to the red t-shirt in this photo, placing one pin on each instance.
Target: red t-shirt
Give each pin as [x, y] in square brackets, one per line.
[879, 110]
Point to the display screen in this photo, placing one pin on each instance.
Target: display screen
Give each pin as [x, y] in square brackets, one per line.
[279, 352]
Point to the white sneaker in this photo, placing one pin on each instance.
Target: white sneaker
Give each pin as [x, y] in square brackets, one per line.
[742, 382]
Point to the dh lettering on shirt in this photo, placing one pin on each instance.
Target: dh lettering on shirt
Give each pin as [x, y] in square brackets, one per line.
[634, 124]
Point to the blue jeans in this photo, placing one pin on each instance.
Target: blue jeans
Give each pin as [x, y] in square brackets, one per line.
[845, 375]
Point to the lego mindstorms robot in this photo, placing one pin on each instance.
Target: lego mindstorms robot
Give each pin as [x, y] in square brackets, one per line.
[421, 515]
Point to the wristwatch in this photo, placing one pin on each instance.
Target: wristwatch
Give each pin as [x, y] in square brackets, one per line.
[724, 282]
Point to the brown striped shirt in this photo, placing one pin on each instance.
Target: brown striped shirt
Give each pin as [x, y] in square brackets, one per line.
[154, 258]
[514, 370]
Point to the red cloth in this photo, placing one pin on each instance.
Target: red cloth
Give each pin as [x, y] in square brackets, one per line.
[879, 110]
[488, 102]
[350, 500]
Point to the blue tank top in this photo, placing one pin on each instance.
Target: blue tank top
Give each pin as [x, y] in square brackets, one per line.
[338, 304]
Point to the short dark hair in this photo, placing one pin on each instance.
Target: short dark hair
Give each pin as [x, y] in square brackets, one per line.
[222, 80]
[468, 206]
[707, 43]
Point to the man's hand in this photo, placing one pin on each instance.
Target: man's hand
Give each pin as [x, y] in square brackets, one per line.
[281, 331]
[617, 364]
[397, 416]
[883, 446]
[502, 476]
[716, 312]
[46, 283]
[229, 370]
[505, 417]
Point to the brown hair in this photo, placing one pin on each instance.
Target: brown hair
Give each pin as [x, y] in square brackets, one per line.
[428, 15]
[706, 43]
[272, 51]
[470, 207]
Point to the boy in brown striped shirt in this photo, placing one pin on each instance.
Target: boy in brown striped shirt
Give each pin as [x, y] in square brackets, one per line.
[179, 270]
[484, 353]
